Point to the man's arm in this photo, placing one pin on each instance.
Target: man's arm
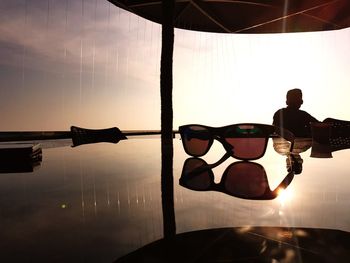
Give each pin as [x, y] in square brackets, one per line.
[277, 118]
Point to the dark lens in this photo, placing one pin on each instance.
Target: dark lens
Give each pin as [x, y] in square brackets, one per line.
[247, 180]
[248, 141]
[196, 140]
[247, 148]
[197, 181]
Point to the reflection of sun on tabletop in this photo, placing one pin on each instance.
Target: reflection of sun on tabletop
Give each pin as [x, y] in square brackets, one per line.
[284, 195]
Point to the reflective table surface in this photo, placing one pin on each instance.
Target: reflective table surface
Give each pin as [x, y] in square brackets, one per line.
[100, 202]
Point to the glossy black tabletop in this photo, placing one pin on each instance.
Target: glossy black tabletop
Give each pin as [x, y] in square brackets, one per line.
[100, 202]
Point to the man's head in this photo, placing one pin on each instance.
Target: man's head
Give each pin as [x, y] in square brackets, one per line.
[294, 98]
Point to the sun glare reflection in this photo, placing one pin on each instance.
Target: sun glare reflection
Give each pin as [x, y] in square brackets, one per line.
[284, 195]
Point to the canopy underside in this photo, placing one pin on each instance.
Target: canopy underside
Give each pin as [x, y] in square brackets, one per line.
[253, 16]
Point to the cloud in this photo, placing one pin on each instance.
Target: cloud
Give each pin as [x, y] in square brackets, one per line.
[69, 33]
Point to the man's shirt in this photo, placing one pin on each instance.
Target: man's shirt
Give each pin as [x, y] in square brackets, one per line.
[295, 120]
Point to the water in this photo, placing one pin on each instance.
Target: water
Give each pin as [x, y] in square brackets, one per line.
[98, 202]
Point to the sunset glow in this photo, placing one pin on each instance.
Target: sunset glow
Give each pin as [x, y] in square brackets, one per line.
[92, 64]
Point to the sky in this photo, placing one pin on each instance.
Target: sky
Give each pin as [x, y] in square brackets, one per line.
[90, 64]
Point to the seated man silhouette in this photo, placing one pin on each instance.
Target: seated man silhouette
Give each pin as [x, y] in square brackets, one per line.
[292, 118]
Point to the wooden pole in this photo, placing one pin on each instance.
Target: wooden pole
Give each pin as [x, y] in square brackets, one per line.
[166, 87]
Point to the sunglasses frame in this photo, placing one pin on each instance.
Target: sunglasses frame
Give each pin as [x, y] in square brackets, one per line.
[220, 187]
[218, 133]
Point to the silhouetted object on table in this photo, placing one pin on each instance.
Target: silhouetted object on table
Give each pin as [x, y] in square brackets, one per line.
[321, 147]
[293, 158]
[247, 180]
[292, 118]
[85, 136]
[329, 136]
[300, 145]
[339, 135]
[19, 157]
[248, 244]
[244, 141]
[294, 163]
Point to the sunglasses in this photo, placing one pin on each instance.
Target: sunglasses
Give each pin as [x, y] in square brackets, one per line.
[246, 141]
[247, 180]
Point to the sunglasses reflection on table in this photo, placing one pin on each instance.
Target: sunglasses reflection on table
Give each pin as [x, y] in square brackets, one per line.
[242, 179]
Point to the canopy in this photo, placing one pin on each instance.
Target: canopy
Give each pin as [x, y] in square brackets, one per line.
[248, 16]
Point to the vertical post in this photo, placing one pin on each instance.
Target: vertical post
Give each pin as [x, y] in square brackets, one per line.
[166, 87]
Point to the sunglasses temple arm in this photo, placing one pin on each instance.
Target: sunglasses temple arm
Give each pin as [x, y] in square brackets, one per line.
[284, 184]
[222, 159]
[207, 167]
